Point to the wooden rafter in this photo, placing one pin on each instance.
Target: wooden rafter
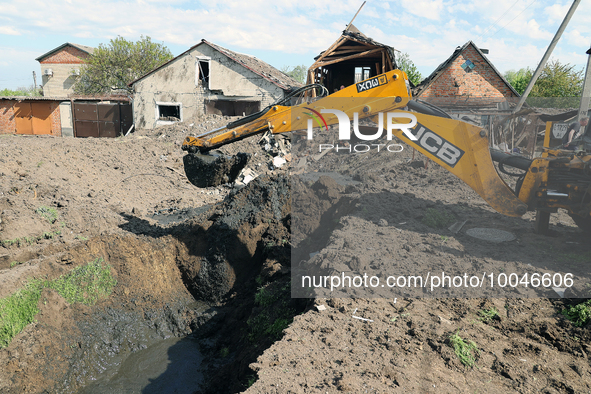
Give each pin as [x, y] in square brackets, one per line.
[358, 55]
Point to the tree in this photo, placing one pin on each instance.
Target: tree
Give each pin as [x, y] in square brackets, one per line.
[556, 80]
[111, 67]
[298, 73]
[21, 91]
[519, 79]
[405, 64]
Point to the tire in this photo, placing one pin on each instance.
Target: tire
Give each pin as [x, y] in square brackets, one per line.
[584, 223]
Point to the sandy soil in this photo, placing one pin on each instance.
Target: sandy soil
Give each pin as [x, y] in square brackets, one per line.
[119, 198]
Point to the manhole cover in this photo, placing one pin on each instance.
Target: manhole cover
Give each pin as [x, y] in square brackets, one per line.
[490, 234]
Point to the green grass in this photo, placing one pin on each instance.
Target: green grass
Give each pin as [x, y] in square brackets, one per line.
[31, 240]
[487, 315]
[578, 314]
[85, 284]
[15, 263]
[465, 350]
[18, 310]
[437, 219]
[50, 214]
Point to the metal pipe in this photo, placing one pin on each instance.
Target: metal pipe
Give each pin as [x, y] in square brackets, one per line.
[542, 64]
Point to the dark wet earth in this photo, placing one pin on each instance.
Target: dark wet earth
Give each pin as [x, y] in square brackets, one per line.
[169, 366]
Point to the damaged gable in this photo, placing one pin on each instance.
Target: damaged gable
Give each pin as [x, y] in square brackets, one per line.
[466, 73]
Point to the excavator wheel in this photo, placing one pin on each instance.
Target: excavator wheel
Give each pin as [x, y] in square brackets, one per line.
[584, 223]
[213, 169]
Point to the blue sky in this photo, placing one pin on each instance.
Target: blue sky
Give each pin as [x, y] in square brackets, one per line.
[289, 33]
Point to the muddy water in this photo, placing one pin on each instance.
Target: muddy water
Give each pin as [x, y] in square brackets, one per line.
[169, 366]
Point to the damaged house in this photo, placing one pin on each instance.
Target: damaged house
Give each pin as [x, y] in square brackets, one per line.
[352, 58]
[467, 82]
[207, 79]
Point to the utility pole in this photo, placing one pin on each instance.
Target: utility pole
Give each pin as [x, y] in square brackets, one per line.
[35, 81]
[584, 107]
[542, 64]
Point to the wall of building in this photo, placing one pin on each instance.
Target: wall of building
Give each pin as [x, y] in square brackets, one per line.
[177, 82]
[52, 122]
[454, 82]
[7, 123]
[63, 62]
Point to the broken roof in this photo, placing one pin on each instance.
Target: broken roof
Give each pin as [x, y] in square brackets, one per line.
[425, 83]
[83, 48]
[255, 65]
[352, 42]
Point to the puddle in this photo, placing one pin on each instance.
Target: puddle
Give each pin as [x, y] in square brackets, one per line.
[168, 366]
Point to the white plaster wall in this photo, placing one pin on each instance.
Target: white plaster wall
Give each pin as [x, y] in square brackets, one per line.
[175, 83]
[61, 84]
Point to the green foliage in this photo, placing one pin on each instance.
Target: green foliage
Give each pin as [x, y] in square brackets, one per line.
[15, 263]
[50, 214]
[579, 314]
[30, 240]
[437, 219]
[519, 79]
[111, 67]
[21, 91]
[556, 80]
[298, 73]
[18, 310]
[487, 315]
[85, 284]
[464, 350]
[405, 64]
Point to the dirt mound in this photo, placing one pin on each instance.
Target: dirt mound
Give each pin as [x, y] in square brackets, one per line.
[65, 202]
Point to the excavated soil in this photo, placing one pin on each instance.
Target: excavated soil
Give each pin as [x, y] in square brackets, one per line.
[214, 264]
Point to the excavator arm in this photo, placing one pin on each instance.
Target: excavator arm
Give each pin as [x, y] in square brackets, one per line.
[459, 147]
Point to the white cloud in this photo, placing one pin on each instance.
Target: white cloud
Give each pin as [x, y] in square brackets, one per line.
[9, 30]
[430, 9]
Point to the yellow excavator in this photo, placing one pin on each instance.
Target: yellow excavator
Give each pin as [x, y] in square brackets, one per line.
[557, 179]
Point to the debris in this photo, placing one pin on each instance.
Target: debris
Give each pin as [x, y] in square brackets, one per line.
[320, 307]
[383, 223]
[362, 318]
[278, 161]
[245, 176]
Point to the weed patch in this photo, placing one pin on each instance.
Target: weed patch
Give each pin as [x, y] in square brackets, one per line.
[85, 284]
[464, 349]
[487, 315]
[437, 219]
[50, 214]
[578, 314]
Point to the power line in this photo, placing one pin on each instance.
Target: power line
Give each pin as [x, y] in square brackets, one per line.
[530, 4]
[498, 19]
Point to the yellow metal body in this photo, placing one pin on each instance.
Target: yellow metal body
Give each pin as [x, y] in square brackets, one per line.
[457, 146]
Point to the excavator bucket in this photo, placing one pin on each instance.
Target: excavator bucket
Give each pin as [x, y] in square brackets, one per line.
[213, 169]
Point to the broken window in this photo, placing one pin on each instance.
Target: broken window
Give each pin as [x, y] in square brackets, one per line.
[202, 72]
[362, 73]
[170, 112]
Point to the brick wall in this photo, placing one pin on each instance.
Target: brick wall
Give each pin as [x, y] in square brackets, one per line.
[8, 123]
[66, 55]
[56, 121]
[482, 81]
